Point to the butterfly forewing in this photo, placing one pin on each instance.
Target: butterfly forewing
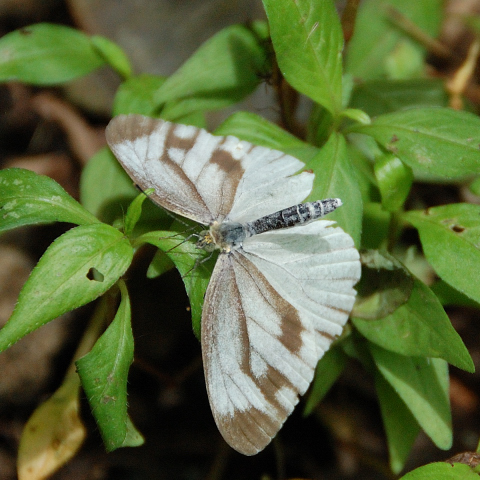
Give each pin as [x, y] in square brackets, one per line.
[197, 174]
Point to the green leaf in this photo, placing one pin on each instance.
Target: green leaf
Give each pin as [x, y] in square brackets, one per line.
[194, 267]
[377, 97]
[384, 287]
[259, 131]
[104, 374]
[450, 237]
[400, 425]
[380, 49]
[135, 210]
[136, 94]
[105, 188]
[77, 267]
[475, 186]
[442, 471]
[221, 72]
[357, 115]
[404, 316]
[394, 180]
[438, 141]
[47, 54]
[113, 55]
[335, 177]
[308, 42]
[422, 384]
[27, 198]
[329, 368]
[447, 295]
[159, 265]
[367, 182]
[375, 225]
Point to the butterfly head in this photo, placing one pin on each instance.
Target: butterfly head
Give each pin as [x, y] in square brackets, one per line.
[223, 236]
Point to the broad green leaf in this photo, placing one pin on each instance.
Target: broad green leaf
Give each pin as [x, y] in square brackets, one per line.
[380, 49]
[194, 267]
[404, 316]
[105, 188]
[104, 374]
[394, 180]
[47, 54]
[367, 182]
[77, 267]
[335, 177]
[134, 211]
[320, 124]
[159, 265]
[422, 384]
[136, 94]
[384, 287]
[377, 97]
[442, 471]
[475, 186]
[375, 225]
[400, 425]
[450, 237]
[447, 295]
[113, 55]
[438, 141]
[308, 42]
[328, 370]
[27, 198]
[53, 434]
[221, 72]
[259, 131]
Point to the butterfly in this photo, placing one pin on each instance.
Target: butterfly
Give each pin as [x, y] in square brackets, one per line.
[282, 286]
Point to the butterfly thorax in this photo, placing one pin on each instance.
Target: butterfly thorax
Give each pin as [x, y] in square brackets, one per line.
[222, 236]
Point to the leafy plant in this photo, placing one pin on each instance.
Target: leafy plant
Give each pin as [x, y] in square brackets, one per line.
[368, 141]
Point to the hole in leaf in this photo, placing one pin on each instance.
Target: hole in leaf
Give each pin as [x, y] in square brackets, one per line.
[95, 275]
[457, 228]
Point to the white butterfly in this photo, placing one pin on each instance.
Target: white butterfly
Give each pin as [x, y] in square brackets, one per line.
[276, 299]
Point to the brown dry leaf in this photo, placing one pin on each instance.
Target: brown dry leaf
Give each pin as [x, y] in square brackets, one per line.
[53, 434]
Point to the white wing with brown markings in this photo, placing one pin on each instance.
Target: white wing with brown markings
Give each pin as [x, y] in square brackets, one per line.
[277, 299]
[272, 309]
[205, 177]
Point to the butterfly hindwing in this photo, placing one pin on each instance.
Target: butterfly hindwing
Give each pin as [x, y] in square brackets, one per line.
[313, 267]
[258, 354]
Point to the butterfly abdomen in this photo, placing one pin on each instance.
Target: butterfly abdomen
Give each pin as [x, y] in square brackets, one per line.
[289, 217]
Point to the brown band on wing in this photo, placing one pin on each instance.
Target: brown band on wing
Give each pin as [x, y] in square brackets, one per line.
[291, 324]
[129, 128]
[123, 128]
[233, 173]
[173, 140]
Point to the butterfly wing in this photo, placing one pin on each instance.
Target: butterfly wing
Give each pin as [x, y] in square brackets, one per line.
[271, 310]
[204, 177]
[314, 268]
[250, 346]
